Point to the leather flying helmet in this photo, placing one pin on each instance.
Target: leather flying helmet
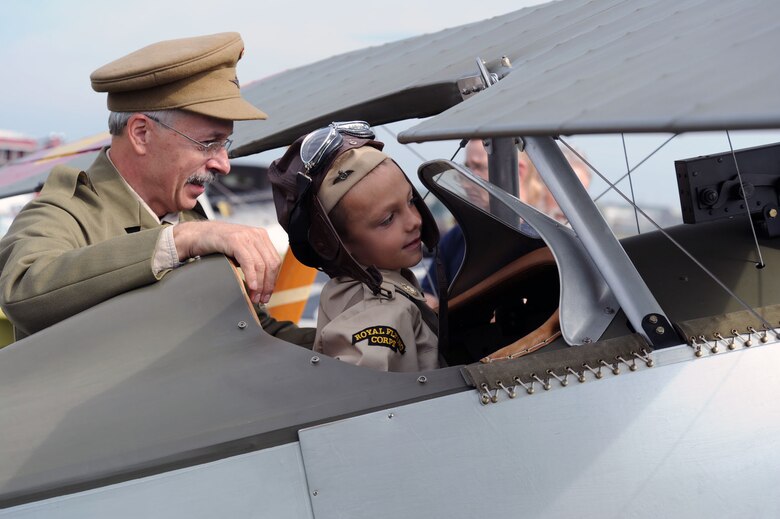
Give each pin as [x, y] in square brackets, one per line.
[303, 204]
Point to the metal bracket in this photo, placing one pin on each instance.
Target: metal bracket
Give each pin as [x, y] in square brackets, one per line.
[660, 332]
[488, 73]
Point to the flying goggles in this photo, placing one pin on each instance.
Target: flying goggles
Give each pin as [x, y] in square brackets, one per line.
[318, 146]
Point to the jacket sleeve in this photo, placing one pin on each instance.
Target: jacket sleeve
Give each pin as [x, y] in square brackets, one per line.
[285, 330]
[51, 271]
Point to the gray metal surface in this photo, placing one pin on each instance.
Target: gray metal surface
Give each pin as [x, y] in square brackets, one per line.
[611, 66]
[164, 377]
[699, 438]
[580, 66]
[587, 305]
[269, 483]
[593, 231]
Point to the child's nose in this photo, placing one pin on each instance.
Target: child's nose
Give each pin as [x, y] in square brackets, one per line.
[414, 220]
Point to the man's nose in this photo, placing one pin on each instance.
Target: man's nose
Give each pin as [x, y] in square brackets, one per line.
[219, 162]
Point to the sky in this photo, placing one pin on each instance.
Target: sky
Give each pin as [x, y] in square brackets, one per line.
[49, 48]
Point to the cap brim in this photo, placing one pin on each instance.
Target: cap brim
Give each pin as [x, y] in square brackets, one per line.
[233, 109]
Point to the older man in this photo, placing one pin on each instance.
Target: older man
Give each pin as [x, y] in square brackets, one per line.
[133, 215]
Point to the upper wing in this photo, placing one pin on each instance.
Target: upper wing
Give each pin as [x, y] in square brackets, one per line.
[631, 66]
[579, 66]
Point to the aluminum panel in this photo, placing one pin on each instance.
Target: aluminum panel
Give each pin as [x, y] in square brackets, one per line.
[268, 483]
[694, 438]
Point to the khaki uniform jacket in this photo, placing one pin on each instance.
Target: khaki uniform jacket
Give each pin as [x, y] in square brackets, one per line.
[85, 239]
[384, 331]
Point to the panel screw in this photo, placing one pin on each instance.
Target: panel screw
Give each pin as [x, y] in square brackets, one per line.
[390, 416]
[653, 319]
[315, 493]
[660, 330]
[241, 325]
[422, 379]
[315, 360]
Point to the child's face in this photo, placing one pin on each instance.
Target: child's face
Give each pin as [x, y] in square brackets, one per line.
[382, 222]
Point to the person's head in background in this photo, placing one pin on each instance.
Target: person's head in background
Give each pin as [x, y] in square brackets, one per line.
[534, 192]
[477, 161]
[532, 189]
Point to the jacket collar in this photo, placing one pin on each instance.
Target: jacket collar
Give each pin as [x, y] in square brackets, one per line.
[402, 280]
[109, 185]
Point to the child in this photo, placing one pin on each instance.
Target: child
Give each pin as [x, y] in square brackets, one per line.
[351, 211]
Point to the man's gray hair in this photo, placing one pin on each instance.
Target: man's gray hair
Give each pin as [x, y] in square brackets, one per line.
[118, 120]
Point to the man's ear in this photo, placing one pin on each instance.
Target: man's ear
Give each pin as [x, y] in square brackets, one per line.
[139, 133]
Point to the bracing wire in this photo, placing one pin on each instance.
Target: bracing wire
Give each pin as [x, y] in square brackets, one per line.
[630, 181]
[618, 181]
[672, 240]
[744, 199]
[461, 145]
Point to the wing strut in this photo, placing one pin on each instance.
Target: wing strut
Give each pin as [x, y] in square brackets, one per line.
[643, 311]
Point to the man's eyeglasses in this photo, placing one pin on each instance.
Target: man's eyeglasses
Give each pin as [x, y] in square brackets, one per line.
[209, 148]
[320, 144]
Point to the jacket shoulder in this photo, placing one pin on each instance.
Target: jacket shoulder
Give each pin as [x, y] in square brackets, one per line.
[65, 180]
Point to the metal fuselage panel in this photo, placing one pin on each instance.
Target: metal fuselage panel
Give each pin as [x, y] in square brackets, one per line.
[172, 375]
[267, 483]
[724, 247]
[696, 438]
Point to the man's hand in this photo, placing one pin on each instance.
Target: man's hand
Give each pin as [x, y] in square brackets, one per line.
[249, 246]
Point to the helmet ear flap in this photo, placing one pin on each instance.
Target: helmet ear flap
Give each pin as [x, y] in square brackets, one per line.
[429, 233]
[298, 233]
[323, 235]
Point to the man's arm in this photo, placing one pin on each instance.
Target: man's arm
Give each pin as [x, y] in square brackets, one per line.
[51, 269]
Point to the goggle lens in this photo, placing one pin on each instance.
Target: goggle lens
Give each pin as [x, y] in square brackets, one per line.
[319, 144]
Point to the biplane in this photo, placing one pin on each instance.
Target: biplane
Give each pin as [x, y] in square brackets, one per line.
[651, 395]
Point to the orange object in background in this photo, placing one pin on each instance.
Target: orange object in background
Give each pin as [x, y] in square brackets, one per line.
[293, 287]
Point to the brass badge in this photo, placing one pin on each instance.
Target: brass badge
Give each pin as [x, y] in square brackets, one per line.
[343, 175]
[409, 289]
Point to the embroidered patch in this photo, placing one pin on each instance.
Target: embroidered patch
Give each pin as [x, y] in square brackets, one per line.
[381, 336]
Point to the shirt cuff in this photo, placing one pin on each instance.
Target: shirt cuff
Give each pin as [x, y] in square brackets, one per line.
[165, 255]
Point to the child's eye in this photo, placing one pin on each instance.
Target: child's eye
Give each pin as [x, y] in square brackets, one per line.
[387, 221]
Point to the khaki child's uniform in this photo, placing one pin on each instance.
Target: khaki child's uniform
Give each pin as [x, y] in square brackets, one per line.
[385, 331]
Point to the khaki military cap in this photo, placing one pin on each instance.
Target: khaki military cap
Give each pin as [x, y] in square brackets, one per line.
[195, 74]
[346, 171]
